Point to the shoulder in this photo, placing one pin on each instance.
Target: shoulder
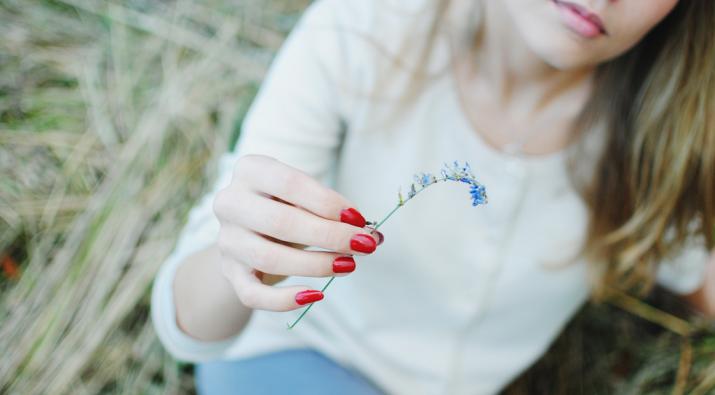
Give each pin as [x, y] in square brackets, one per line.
[371, 38]
[380, 25]
[350, 54]
[365, 13]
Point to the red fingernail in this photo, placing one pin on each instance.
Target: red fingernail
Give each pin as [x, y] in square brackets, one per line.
[363, 243]
[352, 217]
[380, 237]
[343, 264]
[308, 296]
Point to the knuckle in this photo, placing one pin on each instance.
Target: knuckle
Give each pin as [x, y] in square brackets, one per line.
[247, 160]
[223, 240]
[221, 203]
[232, 206]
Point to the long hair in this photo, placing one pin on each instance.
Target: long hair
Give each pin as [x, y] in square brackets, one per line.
[655, 184]
[653, 187]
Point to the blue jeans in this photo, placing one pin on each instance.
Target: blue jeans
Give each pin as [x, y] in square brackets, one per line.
[294, 371]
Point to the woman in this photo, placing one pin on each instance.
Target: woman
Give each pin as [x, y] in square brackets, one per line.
[589, 122]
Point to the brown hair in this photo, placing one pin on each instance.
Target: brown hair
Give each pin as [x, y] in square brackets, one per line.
[657, 173]
[654, 185]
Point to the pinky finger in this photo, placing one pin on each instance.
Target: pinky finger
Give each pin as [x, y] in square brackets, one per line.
[256, 295]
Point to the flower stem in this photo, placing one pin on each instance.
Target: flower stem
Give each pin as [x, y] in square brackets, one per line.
[385, 219]
[290, 326]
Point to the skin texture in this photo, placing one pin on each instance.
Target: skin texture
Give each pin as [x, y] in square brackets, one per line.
[534, 74]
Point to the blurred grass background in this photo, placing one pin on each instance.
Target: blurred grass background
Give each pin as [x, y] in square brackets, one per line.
[112, 116]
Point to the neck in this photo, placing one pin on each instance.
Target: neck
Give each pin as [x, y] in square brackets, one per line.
[513, 74]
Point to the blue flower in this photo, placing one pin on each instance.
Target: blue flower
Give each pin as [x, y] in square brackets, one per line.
[453, 172]
[479, 194]
[464, 174]
[424, 179]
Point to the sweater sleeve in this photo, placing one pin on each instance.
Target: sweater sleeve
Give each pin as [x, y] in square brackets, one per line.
[297, 117]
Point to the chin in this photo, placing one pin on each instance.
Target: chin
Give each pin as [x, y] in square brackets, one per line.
[562, 51]
[564, 58]
[565, 47]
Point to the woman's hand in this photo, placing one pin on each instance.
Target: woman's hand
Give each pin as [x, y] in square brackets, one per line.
[268, 214]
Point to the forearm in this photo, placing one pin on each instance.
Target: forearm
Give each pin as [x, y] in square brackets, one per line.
[207, 307]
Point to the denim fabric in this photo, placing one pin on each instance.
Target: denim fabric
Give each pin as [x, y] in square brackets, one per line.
[295, 372]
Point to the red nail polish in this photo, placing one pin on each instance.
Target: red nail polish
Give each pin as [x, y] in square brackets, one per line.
[352, 217]
[308, 296]
[343, 264]
[363, 243]
[380, 237]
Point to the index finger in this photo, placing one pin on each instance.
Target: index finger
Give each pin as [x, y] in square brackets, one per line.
[300, 189]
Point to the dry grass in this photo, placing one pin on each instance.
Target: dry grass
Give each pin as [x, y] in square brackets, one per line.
[628, 346]
[112, 115]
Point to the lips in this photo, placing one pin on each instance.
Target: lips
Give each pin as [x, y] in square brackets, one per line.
[580, 19]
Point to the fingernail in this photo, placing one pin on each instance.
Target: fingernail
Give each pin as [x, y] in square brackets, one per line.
[308, 296]
[363, 243]
[352, 217]
[380, 237]
[343, 264]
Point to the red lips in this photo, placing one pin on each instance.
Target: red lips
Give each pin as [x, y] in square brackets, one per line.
[584, 13]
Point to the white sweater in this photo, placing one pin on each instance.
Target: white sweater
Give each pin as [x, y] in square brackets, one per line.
[459, 299]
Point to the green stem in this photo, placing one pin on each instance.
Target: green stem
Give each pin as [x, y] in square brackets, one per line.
[385, 219]
[310, 305]
[290, 326]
